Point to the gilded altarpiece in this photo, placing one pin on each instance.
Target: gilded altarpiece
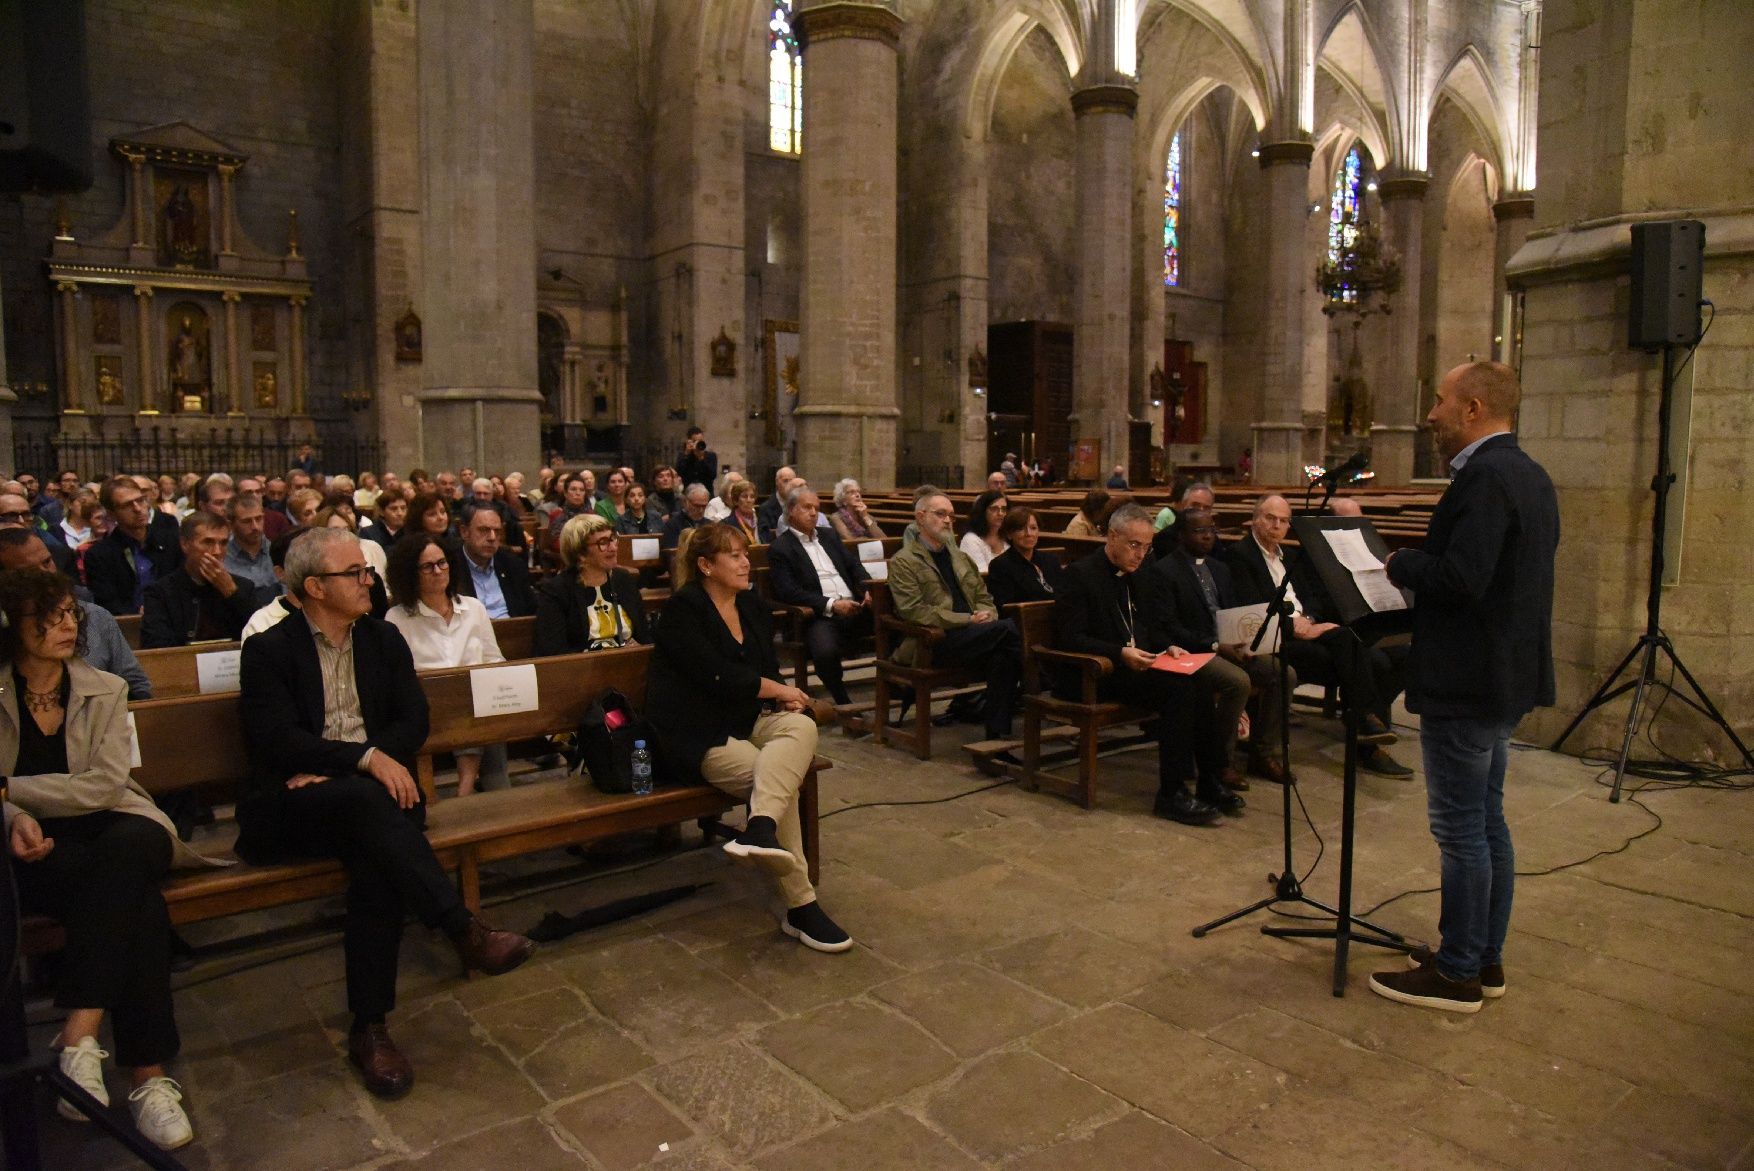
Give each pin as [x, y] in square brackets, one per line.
[174, 318]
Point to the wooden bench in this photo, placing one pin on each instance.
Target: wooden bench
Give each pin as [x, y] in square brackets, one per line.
[465, 833]
[922, 676]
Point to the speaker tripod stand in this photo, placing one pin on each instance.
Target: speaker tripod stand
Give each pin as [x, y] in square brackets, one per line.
[1653, 641]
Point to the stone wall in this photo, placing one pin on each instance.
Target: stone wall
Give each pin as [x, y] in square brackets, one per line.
[1032, 264]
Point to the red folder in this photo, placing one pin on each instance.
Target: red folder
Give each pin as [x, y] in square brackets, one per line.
[1186, 665]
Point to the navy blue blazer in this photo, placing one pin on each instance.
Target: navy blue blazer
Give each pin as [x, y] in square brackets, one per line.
[1483, 590]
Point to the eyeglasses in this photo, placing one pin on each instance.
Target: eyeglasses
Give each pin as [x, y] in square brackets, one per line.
[360, 573]
[1137, 546]
[434, 567]
[603, 543]
[137, 502]
[62, 613]
[14, 518]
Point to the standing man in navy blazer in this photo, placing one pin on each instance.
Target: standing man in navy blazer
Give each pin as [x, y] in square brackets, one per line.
[1482, 658]
[810, 566]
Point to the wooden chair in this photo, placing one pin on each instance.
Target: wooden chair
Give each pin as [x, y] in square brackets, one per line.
[924, 678]
[1087, 715]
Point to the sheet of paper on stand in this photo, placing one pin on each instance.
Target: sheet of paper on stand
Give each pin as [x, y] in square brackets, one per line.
[1239, 624]
[1378, 591]
[1350, 549]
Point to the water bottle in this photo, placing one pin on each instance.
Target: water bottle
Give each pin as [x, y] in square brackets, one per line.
[642, 768]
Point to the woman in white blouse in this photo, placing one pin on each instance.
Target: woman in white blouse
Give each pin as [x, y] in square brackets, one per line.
[981, 539]
[444, 628]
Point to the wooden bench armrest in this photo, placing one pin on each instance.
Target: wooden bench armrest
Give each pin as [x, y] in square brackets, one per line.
[1090, 667]
[926, 634]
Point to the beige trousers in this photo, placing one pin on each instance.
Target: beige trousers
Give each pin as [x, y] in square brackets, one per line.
[769, 769]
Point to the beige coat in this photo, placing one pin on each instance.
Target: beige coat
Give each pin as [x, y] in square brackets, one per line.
[98, 749]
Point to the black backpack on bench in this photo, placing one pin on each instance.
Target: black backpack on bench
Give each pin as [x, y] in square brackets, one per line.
[604, 742]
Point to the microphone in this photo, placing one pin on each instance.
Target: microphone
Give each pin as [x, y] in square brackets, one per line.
[1348, 471]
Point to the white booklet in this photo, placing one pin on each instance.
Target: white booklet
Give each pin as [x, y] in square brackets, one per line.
[1240, 623]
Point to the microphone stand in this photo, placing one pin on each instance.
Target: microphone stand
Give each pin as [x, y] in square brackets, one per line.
[1286, 886]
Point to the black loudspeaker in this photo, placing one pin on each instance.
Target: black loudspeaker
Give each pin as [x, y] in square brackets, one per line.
[45, 101]
[1668, 263]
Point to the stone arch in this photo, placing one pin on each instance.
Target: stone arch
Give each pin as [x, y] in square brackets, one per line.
[1351, 53]
[1011, 23]
[1467, 83]
[1233, 25]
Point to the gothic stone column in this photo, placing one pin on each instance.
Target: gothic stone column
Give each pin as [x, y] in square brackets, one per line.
[1513, 214]
[848, 408]
[1395, 427]
[1102, 300]
[1278, 433]
[478, 396]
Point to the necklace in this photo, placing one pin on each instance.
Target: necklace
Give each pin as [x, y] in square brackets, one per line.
[42, 701]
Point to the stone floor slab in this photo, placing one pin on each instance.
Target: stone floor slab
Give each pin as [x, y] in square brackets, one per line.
[1135, 1140]
[525, 1144]
[858, 1053]
[742, 1097]
[888, 1138]
[662, 993]
[622, 1127]
[1077, 966]
[970, 1008]
[1013, 1102]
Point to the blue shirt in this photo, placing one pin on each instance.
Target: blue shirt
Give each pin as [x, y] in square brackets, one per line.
[257, 570]
[1463, 456]
[487, 590]
[140, 563]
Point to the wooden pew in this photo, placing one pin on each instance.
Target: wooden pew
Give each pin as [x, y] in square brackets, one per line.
[466, 832]
[130, 624]
[923, 677]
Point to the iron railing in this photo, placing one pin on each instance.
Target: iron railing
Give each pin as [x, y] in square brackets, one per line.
[150, 451]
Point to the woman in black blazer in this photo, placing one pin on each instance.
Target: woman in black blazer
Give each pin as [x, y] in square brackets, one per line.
[1021, 573]
[715, 697]
[590, 605]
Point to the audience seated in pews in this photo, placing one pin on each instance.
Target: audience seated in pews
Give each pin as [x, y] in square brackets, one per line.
[932, 583]
[246, 552]
[277, 608]
[483, 495]
[498, 577]
[1194, 494]
[721, 712]
[692, 514]
[1323, 650]
[771, 515]
[614, 502]
[851, 519]
[1198, 585]
[638, 517]
[302, 506]
[1088, 520]
[392, 515]
[106, 648]
[91, 848]
[444, 627]
[576, 499]
[590, 604]
[15, 513]
[998, 482]
[336, 718]
[717, 509]
[741, 513]
[810, 566]
[665, 495]
[200, 601]
[1108, 608]
[1019, 574]
[980, 533]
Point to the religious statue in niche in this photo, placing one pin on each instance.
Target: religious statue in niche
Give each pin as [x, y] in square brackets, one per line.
[106, 321]
[187, 351]
[267, 387]
[724, 355]
[109, 383]
[977, 368]
[408, 336]
[182, 219]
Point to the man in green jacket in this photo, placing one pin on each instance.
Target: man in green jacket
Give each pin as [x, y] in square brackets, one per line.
[933, 583]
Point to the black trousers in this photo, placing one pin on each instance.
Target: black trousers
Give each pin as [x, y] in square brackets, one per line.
[998, 648]
[1190, 741]
[827, 640]
[1369, 678]
[391, 873]
[101, 881]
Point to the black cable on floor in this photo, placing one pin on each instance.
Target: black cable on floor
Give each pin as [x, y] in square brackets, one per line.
[923, 801]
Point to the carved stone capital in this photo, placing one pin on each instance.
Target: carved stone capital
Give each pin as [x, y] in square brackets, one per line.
[1403, 187]
[1294, 153]
[1516, 205]
[144, 292]
[68, 287]
[1105, 99]
[866, 22]
[231, 296]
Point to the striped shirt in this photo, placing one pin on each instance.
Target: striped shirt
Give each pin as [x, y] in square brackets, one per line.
[342, 717]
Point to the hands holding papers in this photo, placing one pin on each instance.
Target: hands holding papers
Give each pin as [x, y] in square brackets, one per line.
[1176, 660]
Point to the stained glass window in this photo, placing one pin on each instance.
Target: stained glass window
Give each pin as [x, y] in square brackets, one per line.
[1172, 213]
[785, 82]
[1343, 212]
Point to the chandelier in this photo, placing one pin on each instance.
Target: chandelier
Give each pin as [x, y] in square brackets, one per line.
[1362, 274]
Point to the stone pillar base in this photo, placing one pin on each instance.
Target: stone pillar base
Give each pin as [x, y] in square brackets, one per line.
[1391, 455]
[1278, 454]
[838, 440]
[480, 433]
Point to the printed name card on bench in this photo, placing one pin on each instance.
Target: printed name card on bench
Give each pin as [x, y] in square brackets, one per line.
[645, 548]
[217, 671]
[500, 691]
[878, 570]
[870, 550]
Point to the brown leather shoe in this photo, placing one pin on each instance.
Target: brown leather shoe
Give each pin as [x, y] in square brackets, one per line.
[483, 949]
[1269, 769]
[1234, 781]
[386, 1072]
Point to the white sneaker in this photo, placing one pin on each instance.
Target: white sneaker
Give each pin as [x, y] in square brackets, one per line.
[158, 1113]
[84, 1064]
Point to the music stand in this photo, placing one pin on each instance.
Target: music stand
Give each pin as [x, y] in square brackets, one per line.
[1314, 549]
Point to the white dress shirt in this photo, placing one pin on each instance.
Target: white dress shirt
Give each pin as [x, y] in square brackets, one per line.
[1276, 567]
[832, 584]
[467, 640]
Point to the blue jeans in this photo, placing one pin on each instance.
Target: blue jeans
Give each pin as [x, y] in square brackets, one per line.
[1464, 788]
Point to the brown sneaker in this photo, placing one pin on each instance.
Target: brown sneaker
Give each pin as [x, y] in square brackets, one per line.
[483, 949]
[1428, 988]
[1491, 975]
[386, 1072]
